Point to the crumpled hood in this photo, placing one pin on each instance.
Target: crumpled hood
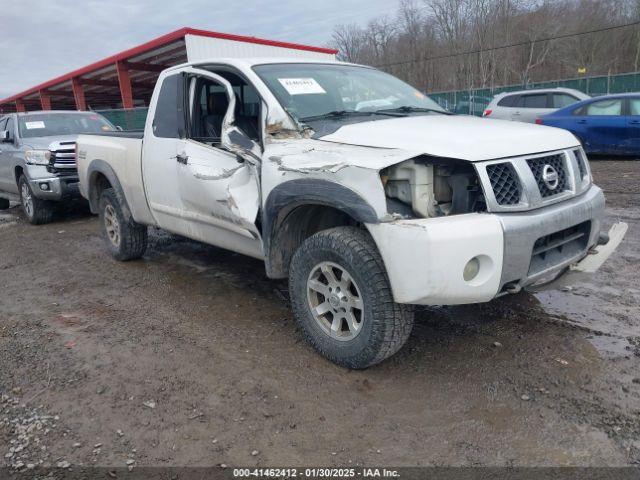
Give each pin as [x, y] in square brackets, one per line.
[455, 136]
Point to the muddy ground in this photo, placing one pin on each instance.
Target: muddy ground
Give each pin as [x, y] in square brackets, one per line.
[191, 357]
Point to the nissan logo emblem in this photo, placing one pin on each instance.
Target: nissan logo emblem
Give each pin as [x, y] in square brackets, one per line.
[550, 177]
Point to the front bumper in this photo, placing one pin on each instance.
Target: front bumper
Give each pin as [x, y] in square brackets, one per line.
[425, 258]
[56, 187]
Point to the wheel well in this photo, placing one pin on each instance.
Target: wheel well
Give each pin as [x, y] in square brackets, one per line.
[18, 173]
[296, 226]
[98, 183]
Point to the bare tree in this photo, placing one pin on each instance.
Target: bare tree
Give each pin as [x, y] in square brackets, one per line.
[463, 44]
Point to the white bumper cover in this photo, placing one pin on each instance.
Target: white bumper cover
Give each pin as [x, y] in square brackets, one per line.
[425, 258]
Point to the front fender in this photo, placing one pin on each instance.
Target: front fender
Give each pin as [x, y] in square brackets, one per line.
[287, 196]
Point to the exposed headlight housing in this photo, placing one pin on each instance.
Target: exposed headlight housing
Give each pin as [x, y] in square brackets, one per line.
[37, 157]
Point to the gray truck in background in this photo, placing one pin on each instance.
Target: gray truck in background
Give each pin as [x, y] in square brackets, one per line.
[38, 158]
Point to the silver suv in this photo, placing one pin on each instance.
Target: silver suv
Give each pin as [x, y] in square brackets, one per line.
[38, 158]
[528, 105]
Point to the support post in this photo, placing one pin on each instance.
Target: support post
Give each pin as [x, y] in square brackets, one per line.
[125, 84]
[78, 94]
[45, 100]
[20, 106]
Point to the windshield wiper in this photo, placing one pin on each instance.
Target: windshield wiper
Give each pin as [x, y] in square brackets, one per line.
[344, 113]
[410, 109]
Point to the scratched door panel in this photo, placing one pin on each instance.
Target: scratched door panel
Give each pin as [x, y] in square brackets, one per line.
[218, 190]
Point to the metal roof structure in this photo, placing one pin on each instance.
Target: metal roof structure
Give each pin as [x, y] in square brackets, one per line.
[126, 80]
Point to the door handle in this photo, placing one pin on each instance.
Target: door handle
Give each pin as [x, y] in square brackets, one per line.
[182, 158]
[582, 121]
[632, 122]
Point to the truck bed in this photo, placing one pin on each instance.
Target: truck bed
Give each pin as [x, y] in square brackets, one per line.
[122, 152]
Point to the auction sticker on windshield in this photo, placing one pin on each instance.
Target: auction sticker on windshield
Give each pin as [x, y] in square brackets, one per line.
[33, 125]
[301, 86]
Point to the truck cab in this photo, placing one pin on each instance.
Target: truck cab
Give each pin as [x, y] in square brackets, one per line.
[38, 158]
[363, 192]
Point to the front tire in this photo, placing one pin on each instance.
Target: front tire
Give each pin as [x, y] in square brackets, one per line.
[342, 299]
[125, 239]
[37, 211]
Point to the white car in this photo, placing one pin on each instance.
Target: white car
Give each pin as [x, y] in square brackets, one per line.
[367, 210]
[528, 105]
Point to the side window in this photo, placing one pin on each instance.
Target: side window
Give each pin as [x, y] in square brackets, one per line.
[10, 127]
[210, 104]
[168, 120]
[604, 108]
[561, 100]
[538, 100]
[508, 101]
[634, 106]
[208, 108]
[3, 123]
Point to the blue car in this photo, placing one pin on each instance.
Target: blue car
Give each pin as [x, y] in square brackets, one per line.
[607, 125]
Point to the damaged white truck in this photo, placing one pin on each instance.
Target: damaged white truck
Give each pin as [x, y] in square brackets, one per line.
[364, 193]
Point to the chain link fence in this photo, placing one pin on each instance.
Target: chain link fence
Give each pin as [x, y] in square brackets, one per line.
[474, 101]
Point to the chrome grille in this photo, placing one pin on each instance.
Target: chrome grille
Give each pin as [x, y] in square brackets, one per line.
[505, 184]
[63, 155]
[557, 162]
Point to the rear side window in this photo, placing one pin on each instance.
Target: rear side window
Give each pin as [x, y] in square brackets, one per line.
[604, 108]
[508, 101]
[538, 100]
[561, 100]
[634, 106]
[168, 120]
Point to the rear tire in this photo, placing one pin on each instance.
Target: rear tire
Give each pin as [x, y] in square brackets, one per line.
[4, 204]
[340, 272]
[125, 239]
[37, 211]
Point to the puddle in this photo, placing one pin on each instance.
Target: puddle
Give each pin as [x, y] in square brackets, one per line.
[609, 321]
[610, 346]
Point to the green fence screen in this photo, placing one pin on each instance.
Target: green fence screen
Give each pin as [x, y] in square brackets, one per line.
[128, 119]
[474, 101]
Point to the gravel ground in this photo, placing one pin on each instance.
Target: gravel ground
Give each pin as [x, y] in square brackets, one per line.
[191, 357]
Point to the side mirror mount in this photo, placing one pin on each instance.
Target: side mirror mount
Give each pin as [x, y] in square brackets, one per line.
[5, 136]
[237, 141]
[119, 128]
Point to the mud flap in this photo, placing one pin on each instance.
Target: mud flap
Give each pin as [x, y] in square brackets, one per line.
[588, 265]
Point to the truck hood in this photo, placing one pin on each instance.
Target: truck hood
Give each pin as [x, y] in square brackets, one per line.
[455, 136]
[42, 143]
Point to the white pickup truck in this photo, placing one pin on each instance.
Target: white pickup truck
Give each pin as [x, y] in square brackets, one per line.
[366, 194]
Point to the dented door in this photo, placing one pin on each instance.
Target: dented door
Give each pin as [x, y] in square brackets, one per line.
[218, 189]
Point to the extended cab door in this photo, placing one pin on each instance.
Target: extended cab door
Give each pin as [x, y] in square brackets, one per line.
[196, 185]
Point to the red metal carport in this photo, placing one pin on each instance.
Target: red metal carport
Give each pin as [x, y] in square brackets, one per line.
[126, 80]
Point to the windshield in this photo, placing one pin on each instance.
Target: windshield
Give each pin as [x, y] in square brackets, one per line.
[315, 90]
[51, 124]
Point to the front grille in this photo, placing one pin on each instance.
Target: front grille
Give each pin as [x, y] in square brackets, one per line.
[63, 157]
[538, 165]
[559, 247]
[582, 166]
[505, 184]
